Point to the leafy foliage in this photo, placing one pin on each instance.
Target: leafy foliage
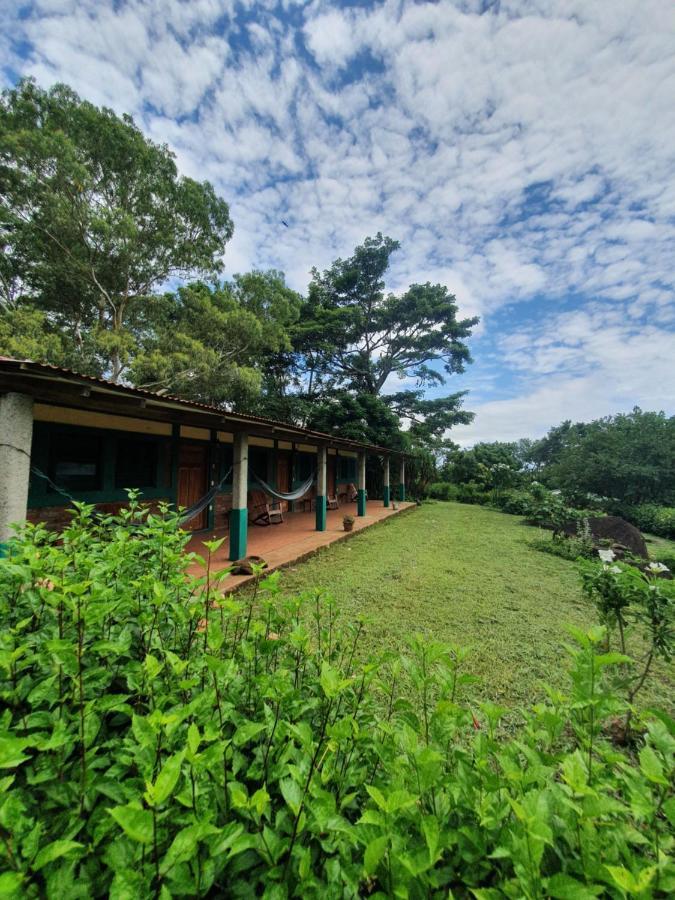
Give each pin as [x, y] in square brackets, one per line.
[161, 739]
[628, 457]
[353, 338]
[94, 217]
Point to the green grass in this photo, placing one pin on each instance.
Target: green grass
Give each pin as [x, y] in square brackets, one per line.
[466, 575]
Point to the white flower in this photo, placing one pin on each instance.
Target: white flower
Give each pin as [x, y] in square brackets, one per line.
[615, 569]
[657, 567]
[606, 555]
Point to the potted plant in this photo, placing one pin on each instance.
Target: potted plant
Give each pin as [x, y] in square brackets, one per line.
[348, 523]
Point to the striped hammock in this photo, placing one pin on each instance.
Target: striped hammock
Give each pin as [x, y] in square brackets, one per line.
[293, 495]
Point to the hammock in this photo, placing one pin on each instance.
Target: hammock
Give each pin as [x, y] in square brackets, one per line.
[188, 514]
[206, 500]
[293, 495]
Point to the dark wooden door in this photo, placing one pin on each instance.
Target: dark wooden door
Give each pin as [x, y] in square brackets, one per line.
[192, 480]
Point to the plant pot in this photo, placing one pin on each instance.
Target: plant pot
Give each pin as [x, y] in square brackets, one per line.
[348, 526]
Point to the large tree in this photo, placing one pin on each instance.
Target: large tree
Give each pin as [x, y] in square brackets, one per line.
[630, 457]
[355, 339]
[211, 344]
[94, 218]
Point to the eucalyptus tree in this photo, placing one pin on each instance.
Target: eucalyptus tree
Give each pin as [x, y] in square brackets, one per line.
[95, 219]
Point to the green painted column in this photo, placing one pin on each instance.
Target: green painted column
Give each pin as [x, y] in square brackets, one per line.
[321, 462]
[16, 437]
[386, 490]
[361, 497]
[239, 511]
[401, 483]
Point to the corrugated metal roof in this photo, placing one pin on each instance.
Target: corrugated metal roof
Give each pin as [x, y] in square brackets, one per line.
[45, 369]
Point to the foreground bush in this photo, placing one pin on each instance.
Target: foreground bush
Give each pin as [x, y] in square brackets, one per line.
[157, 740]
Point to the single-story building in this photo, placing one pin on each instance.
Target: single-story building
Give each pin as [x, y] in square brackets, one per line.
[65, 435]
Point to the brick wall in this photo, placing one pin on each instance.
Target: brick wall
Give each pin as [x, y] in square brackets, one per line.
[223, 505]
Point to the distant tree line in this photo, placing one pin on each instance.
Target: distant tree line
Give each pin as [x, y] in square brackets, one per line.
[112, 264]
[628, 457]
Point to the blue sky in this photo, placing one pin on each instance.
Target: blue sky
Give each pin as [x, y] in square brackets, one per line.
[522, 152]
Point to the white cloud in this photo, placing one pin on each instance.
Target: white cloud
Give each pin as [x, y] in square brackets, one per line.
[522, 154]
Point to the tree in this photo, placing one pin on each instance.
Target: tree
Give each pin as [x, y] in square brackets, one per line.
[207, 343]
[94, 218]
[629, 457]
[354, 339]
[493, 464]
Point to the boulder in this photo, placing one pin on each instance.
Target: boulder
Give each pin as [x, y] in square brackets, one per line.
[614, 529]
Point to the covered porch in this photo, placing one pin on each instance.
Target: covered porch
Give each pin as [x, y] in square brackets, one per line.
[292, 540]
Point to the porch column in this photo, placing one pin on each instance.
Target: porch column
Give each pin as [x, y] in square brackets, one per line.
[361, 501]
[16, 431]
[386, 493]
[239, 511]
[321, 462]
[401, 481]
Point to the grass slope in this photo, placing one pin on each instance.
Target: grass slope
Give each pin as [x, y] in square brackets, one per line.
[466, 575]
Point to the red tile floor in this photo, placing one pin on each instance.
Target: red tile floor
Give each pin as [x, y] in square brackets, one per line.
[291, 541]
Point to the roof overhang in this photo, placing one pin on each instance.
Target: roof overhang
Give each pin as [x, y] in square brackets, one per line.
[55, 386]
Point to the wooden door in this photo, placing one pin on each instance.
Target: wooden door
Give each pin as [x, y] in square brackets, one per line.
[192, 481]
[284, 474]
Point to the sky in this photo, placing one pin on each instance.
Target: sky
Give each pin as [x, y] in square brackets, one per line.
[522, 152]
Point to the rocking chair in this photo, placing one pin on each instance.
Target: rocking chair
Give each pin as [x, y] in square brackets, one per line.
[264, 510]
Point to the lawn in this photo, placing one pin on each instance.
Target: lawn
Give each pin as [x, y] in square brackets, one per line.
[466, 575]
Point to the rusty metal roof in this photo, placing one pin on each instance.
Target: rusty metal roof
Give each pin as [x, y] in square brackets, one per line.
[59, 374]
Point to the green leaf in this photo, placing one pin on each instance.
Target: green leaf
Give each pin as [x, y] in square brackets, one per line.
[292, 794]
[134, 821]
[11, 752]
[377, 796]
[651, 767]
[374, 853]
[564, 887]
[10, 883]
[193, 739]
[247, 732]
[166, 781]
[628, 882]
[53, 851]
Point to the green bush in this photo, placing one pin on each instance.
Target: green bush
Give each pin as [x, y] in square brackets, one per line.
[649, 517]
[441, 490]
[472, 493]
[516, 503]
[160, 740]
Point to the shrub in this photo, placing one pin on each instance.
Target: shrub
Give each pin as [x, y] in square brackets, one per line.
[517, 503]
[158, 739]
[649, 517]
[472, 493]
[442, 490]
[628, 599]
[578, 547]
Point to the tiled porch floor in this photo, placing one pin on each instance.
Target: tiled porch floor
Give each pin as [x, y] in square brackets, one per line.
[291, 541]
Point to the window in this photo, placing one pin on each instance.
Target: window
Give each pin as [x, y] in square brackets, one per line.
[257, 463]
[75, 462]
[136, 463]
[305, 465]
[346, 468]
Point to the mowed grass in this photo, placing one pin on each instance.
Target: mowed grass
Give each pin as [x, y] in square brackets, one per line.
[465, 575]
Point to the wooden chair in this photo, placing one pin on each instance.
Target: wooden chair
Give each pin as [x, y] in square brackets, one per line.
[332, 502]
[263, 510]
[352, 493]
